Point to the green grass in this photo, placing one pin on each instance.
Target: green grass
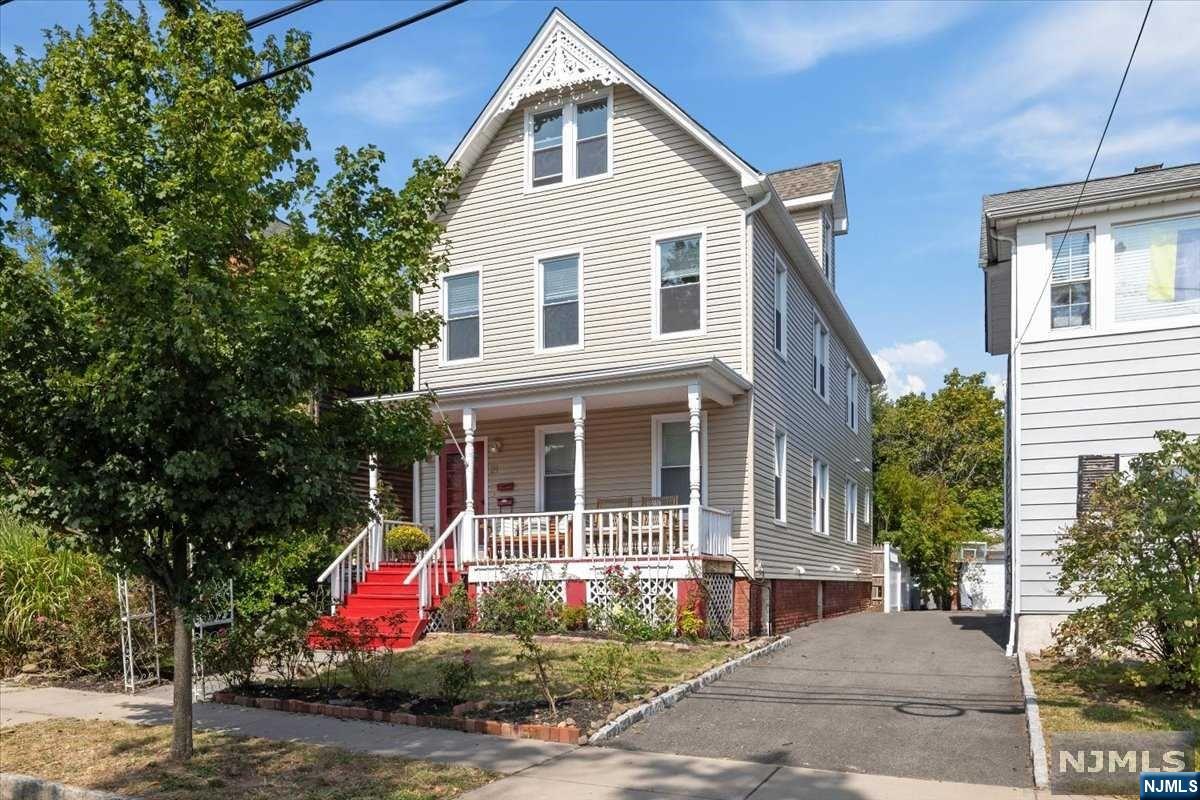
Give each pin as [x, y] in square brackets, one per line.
[501, 675]
[1109, 698]
[132, 760]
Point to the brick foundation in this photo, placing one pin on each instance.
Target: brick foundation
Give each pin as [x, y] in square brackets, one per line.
[795, 603]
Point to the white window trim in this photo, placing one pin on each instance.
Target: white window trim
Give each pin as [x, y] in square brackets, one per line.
[827, 245]
[867, 504]
[539, 451]
[781, 268]
[852, 396]
[1091, 279]
[817, 460]
[852, 512]
[569, 140]
[537, 299]
[443, 361]
[817, 318]
[656, 281]
[656, 422]
[783, 482]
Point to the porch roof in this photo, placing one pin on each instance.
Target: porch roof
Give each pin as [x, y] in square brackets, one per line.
[604, 388]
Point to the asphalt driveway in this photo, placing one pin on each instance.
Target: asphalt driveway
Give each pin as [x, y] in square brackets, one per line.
[920, 694]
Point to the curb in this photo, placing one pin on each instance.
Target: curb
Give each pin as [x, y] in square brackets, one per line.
[28, 787]
[1037, 741]
[508, 730]
[677, 693]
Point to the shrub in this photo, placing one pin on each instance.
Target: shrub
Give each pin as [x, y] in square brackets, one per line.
[231, 653]
[457, 677]
[284, 636]
[355, 641]
[622, 615]
[406, 540]
[56, 606]
[605, 670]
[1136, 556]
[691, 624]
[456, 607]
[573, 618]
[517, 600]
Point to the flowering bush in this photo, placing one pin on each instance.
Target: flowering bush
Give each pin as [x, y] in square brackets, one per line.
[622, 615]
[518, 601]
[406, 540]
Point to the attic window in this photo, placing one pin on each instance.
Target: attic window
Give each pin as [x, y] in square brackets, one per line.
[569, 143]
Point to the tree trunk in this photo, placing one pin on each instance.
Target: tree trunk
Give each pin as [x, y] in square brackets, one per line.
[181, 707]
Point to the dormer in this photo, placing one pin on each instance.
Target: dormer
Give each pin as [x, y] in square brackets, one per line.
[815, 197]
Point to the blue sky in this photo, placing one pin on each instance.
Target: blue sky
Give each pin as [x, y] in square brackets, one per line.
[929, 106]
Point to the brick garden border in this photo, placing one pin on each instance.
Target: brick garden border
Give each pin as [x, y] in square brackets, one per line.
[677, 693]
[568, 734]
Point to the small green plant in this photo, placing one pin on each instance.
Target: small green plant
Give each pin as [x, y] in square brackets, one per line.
[456, 608]
[406, 540]
[691, 624]
[622, 615]
[457, 677]
[604, 671]
[573, 618]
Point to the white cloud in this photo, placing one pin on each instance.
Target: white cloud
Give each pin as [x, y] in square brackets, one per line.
[1039, 95]
[400, 98]
[998, 383]
[790, 37]
[902, 362]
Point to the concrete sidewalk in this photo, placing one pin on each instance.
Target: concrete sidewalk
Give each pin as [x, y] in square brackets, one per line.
[594, 773]
[493, 753]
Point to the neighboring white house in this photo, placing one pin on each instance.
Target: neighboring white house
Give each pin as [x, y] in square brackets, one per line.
[644, 358]
[1101, 327]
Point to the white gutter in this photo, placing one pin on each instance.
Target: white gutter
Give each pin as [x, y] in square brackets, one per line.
[1012, 451]
[748, 289]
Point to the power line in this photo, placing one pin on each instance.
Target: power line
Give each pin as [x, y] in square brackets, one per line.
[1083, 186]
[280, 13]
[395, 26]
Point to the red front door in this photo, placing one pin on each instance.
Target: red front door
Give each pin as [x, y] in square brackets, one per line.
[452, 483]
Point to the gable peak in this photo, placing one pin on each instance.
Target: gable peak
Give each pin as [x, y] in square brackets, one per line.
[561, 61]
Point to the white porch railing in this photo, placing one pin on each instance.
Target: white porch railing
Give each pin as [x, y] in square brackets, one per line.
[716, 531]
[434, 567]
[625, 532]
[503, 538]
[348, 569]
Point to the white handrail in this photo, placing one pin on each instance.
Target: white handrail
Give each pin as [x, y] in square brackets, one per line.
[350, 567]
[427, 567]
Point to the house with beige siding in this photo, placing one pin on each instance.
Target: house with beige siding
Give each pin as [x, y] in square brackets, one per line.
[644, 361]
[1093, 295]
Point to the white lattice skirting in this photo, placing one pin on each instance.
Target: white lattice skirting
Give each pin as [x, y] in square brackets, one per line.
[719, 612]
[599, 596]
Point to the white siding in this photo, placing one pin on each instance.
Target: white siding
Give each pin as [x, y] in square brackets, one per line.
[662, 180]
[1098, 395]
[783, 396]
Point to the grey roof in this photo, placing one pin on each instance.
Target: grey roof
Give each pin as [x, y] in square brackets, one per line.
[1062, 196]
[807, 180]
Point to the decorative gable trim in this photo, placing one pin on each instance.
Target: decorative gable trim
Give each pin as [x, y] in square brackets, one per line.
[562, 65]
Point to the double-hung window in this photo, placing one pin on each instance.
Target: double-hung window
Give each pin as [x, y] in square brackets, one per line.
[462, 304]
[672, 457]
[559, 319]
[820, 497]
[851, 512]
[558, 469]
[781, 286]
[570, 142]
[1070, 279]
[852, 397]
[1157, 266]
[678, 290]
[820, 377]
[781, 475]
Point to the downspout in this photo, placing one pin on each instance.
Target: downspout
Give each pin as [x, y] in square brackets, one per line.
[1011, 452]
[748, 370]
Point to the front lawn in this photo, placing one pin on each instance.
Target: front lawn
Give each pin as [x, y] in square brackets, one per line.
[1108, 697]
[131, 760]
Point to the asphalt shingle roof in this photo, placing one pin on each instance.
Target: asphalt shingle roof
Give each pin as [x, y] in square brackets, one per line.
[1064, 194]
[807, 180]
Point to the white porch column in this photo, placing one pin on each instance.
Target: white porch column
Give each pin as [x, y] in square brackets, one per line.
[467, 532]
[694, 468]
[373, 500]
[578, 414]
[887, 577]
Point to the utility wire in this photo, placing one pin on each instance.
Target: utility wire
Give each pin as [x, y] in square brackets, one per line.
[280, 13]
[1083, 186]
[395, 26]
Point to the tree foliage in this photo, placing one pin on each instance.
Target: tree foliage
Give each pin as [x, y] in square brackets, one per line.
[173, 374]
[939, 472]
[1134, 562]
